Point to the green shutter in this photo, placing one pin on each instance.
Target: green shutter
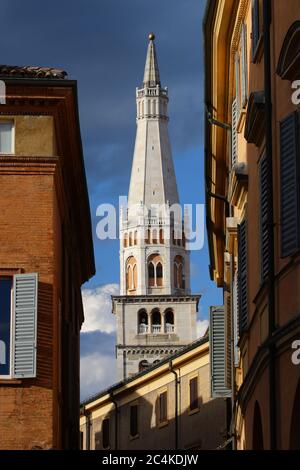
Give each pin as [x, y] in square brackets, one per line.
[264, 210]
[289, 184]
[25, 325]
[217, 352]
[242, 277]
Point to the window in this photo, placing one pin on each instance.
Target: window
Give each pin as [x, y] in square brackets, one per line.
[194, 400]
[105, 433]
[6, 137]
[242, 277]
[18, 316]
[256, 26]
[5, 324]
[134, 420]
[264, 215]
[159, 274]
[163, 408]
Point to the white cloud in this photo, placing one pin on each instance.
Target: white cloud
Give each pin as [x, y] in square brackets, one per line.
[97, 308]
[202, 326]
[97, 372]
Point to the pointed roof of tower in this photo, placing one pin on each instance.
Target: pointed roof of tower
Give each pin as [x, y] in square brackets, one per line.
[151, 75]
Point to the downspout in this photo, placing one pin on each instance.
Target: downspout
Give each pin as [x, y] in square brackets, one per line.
[177, 382]
[227, 127]
[87, 429]
[116, 419]
[271, 264]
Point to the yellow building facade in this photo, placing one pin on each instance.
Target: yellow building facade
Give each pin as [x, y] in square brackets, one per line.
[252, 162]
[168, 406]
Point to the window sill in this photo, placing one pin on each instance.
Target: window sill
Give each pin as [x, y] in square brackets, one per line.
[163, 424]
[193, 412]
[10, 381]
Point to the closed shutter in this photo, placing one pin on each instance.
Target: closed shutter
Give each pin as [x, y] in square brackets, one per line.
[228, 335]
[242, 277]
[264, 209]
[234, 133]
[217, 352]
[134, 420]
[25, 325]
[163, 416]
[244, 78]
[237, 85]
[255, 25]
[290, 184]
[235, 320]
[194, 402]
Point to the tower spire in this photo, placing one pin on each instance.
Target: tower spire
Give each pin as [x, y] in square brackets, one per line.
[151, 74]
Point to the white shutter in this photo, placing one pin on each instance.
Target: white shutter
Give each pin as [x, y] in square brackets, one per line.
[24, 325]
[234, 133]
[244, 78]
[217, 352]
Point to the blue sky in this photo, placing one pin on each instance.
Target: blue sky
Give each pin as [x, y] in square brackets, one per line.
[102, 44]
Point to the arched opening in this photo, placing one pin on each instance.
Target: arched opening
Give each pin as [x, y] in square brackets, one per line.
[147, 239]
[131, 275]
[156, 321]
[295, 425]
[154, 237]
[125, 240]
[169, 321]
[143, 365]
[130, 239]
[179, 279]
[135, 237]
[288, 67]
[143, 321]
[155, 271]
[159, 274]
[161, 237]
[258, 441]
[151, 274]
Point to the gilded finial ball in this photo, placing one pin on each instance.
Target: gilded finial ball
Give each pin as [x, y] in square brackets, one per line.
[151, 37]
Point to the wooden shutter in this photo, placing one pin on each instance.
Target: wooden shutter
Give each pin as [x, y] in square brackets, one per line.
[25, 325]
[235, 320]
[290, 184]
[105, 433]
[244, 77]
[163, 414]
[237, 85]
[234, 132]
[217, 352]
[194, 400]
[228, 336]
[255, 25]
[134, 420]
[264, 210]
[242, 277]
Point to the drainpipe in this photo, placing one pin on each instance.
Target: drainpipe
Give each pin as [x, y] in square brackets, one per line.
[271, 265]
[87, 429]
[116, 418]
[177, 382]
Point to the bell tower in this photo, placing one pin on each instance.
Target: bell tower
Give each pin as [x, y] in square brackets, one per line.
[156, 314]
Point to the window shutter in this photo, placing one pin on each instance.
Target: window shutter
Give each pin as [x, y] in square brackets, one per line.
[244, 80]
[235, 320]
[237, 85]
[134, 420]
[242, 277]
[255, 25]
[25, 325]
[228, 335]
[194, 402]
[163, 415]
[289, 184]
[264, 241]
[234, 133]
[217, 352]
[105, 434]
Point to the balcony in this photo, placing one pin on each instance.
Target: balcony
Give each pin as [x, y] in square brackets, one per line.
[169, 329]
[143, 329]
[156, 329]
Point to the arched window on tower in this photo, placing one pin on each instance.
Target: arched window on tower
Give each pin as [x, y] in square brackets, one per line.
[179, 278]
[143, 365]
[125, 240]
[155, 321]
[143, 323]
[147, 239]
[169, 321]
[154, 236]
[161, 236]
[159, 274]
[151, 274]
[131, 275]
[135, 237]
[130, 239]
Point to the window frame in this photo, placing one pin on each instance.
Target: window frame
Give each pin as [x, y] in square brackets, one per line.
[134, 405]
[196, 408]
[12, 121]
[163, 422]
[106, 419]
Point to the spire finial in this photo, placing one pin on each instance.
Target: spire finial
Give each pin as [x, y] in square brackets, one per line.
[151, 36]
[151, 74]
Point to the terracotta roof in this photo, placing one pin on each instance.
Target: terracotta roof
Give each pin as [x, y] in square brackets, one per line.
[31, 72]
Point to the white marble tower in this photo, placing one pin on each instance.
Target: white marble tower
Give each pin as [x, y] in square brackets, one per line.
[156, 314]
